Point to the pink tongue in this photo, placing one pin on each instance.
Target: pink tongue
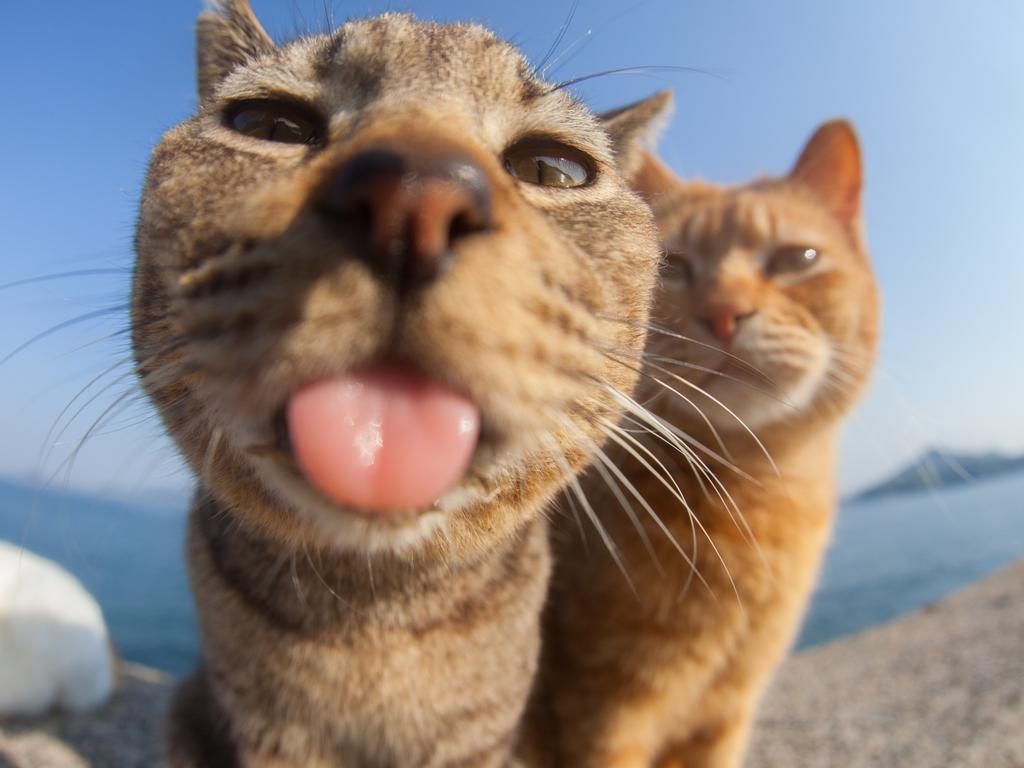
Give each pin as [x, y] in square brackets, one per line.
[382, 439]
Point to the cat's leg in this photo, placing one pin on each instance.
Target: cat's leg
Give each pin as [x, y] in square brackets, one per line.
[721, 745]
[199, 734]
[613, 733]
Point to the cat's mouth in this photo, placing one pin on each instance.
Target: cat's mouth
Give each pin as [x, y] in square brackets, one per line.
[381, 439]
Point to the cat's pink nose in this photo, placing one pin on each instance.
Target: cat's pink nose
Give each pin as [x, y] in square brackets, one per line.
[723, 320]
[407, 208]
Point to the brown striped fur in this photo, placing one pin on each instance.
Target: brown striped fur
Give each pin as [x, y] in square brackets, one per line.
[333, 638]
[671, 675]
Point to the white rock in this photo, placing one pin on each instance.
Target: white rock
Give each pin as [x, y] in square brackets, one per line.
[55, 650]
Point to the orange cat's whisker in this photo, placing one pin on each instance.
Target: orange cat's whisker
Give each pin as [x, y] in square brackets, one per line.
[772, 390]
[750, 368]
[778, 395]
[652, 328]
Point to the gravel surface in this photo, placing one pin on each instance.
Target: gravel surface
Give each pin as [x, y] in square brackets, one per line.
[941, 688]
[125, 733]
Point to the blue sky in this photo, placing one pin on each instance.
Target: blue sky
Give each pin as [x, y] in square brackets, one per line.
[935, 91]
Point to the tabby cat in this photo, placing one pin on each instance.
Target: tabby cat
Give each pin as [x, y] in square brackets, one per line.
[765, 324]
[376, 272]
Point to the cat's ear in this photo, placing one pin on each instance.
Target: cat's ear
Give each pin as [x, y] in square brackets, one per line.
[633, 128]
[653, 177]
[830, 166]
[227, 35]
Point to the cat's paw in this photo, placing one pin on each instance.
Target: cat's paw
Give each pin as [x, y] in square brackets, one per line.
[54, 647]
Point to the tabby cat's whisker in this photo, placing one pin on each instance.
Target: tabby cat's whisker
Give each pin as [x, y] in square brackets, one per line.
[65, 275]
[688, 401]
[541, 68]
[92, 382]
[577, 489]
[320, 578]
[94, 315]
[300, 593]
[777, 395]
[569, 53]
[52, 439]
[610, 429]
[624, 440]
[667, 431]
[603, 465]
[696, 444]
[579, 522]
[110, 411]
[617, 435]
[560, 61]
[209, 459]
[725, 459]
[641, 70]
[126, 331]
[725, 497]
[449, 546]
[728, 410]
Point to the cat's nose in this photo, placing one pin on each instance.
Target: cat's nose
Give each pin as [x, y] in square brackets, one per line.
[724, 320]
[409, 208]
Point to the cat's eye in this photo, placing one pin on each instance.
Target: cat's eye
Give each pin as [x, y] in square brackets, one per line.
[677, 269]
[275, 121]
[788, 259]
[549, 164]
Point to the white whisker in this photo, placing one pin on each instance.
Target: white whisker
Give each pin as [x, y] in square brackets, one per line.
[690, 560]
[574, 484]
[728, 410]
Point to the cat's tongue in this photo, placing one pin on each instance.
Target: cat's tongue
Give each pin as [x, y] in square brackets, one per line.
[382, 439]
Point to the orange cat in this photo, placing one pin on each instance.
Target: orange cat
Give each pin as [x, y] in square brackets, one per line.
[767, 325]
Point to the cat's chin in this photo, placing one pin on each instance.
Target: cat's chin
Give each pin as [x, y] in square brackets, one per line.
[738, 400]
[399, 532]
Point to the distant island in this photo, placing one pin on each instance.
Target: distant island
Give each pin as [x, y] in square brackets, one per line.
[936, 468]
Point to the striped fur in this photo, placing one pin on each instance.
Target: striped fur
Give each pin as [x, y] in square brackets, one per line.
[331, 637]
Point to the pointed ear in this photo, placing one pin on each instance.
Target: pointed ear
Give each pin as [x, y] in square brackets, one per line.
[653, 178]
[227, 35]
[631, 128]
[830, 166]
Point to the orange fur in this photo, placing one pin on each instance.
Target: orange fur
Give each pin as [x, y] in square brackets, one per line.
[671, 675]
